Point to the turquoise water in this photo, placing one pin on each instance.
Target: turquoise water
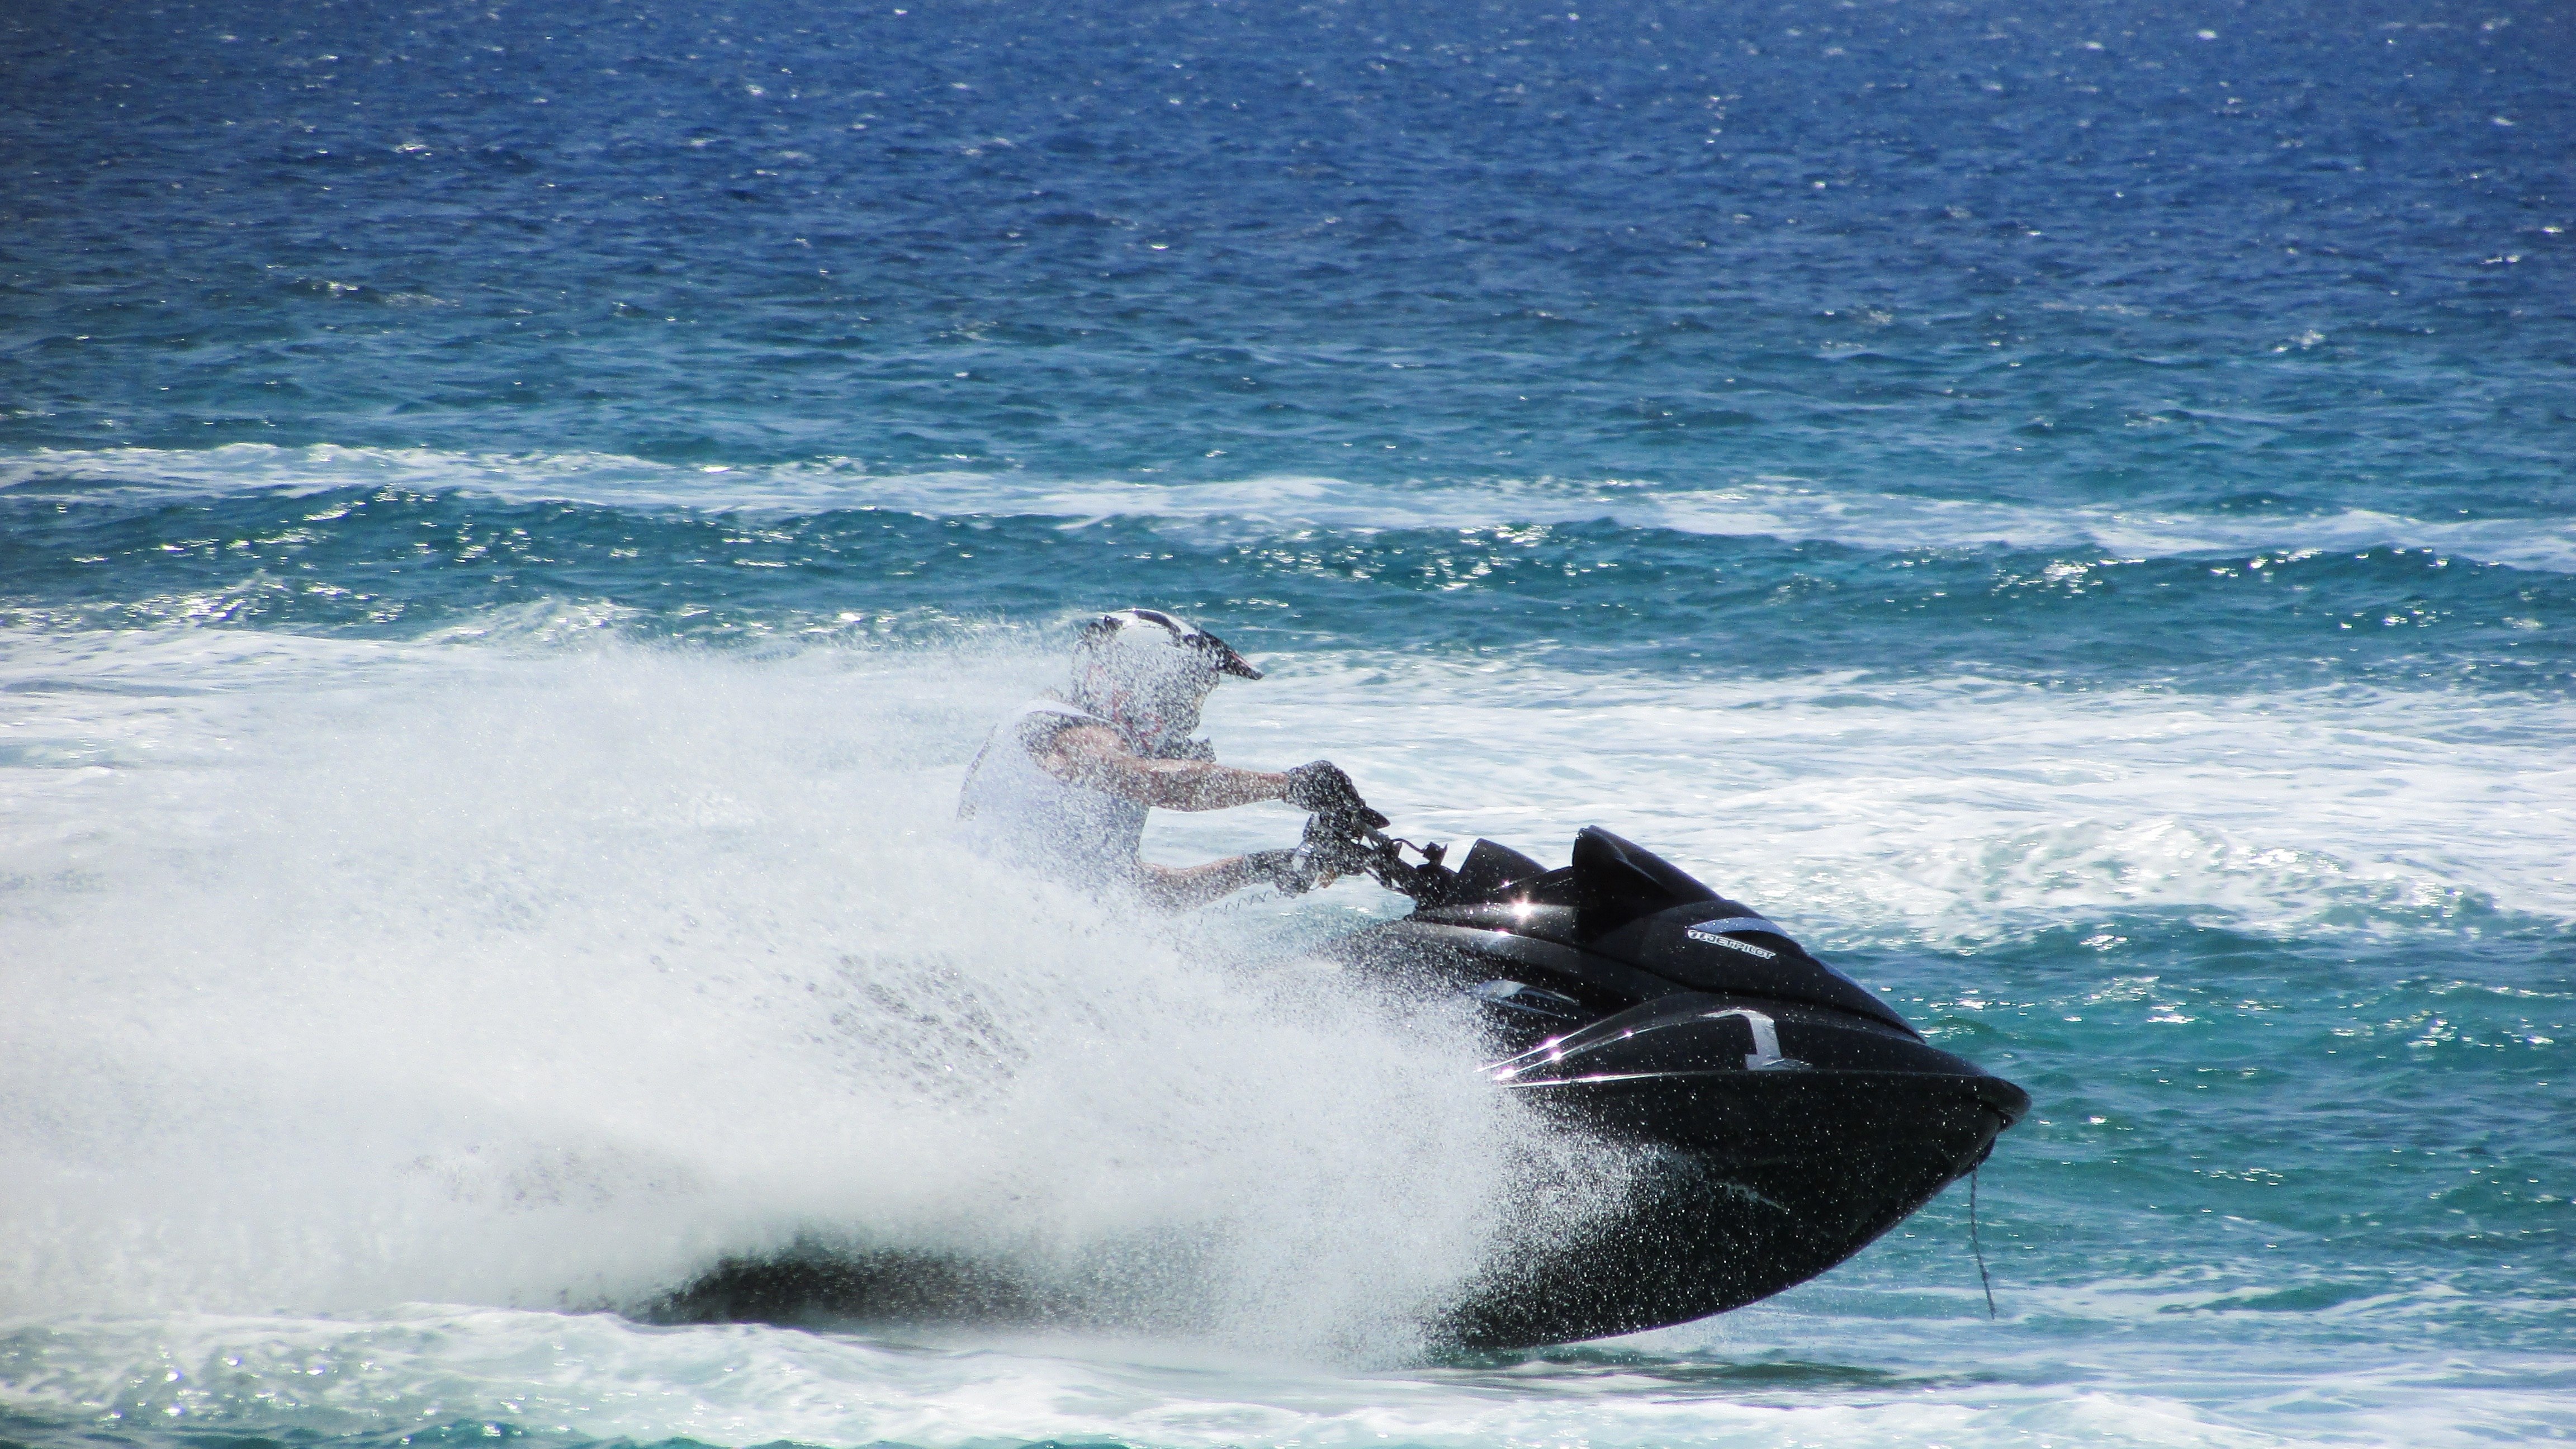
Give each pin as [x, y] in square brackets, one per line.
[513, 519]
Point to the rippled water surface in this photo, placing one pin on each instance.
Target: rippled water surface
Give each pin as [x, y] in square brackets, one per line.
[514, 516]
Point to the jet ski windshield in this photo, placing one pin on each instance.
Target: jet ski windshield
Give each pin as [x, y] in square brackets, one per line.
[1490, 869]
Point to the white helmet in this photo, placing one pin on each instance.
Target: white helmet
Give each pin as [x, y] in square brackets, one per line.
[1148, 672]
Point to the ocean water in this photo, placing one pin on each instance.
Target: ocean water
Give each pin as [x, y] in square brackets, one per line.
[513, 517]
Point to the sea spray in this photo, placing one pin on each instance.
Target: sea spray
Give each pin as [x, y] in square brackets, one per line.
[554, 975]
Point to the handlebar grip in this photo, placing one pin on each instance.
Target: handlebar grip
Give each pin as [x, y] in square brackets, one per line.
[1321, 788]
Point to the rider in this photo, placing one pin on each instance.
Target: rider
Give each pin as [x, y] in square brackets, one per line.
[1062, 787]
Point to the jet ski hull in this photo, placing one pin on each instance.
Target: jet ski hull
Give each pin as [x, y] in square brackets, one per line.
[1745, 1183]
[1770, 1137]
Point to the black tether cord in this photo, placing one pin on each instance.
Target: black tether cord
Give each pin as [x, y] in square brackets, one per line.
[1977, 1248]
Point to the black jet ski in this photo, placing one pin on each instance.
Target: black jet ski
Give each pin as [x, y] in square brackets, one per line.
[1775, 1115]
[1783, 1116]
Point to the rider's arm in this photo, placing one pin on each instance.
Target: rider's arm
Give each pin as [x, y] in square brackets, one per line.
[1179, 887]
[1093, 755]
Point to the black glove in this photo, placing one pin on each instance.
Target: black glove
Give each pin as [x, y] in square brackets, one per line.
[1322, 857]
[1283, 869]
[1322, 789]
[1327, 850]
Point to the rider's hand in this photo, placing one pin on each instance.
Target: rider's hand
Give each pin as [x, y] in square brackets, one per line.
[1291, 871]
[1310, 867]
[1321, 788]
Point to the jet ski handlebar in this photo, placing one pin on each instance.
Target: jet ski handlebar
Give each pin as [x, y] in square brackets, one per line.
[1351, 840]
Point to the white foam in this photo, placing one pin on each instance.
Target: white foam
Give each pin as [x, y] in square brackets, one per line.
[1948, 812]
[429, 1368]
[1754, 505]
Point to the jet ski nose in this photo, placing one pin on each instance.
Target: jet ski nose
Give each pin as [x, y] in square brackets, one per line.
[2001, 1098]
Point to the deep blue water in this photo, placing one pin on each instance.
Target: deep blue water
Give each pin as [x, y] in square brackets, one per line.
[507, 509]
